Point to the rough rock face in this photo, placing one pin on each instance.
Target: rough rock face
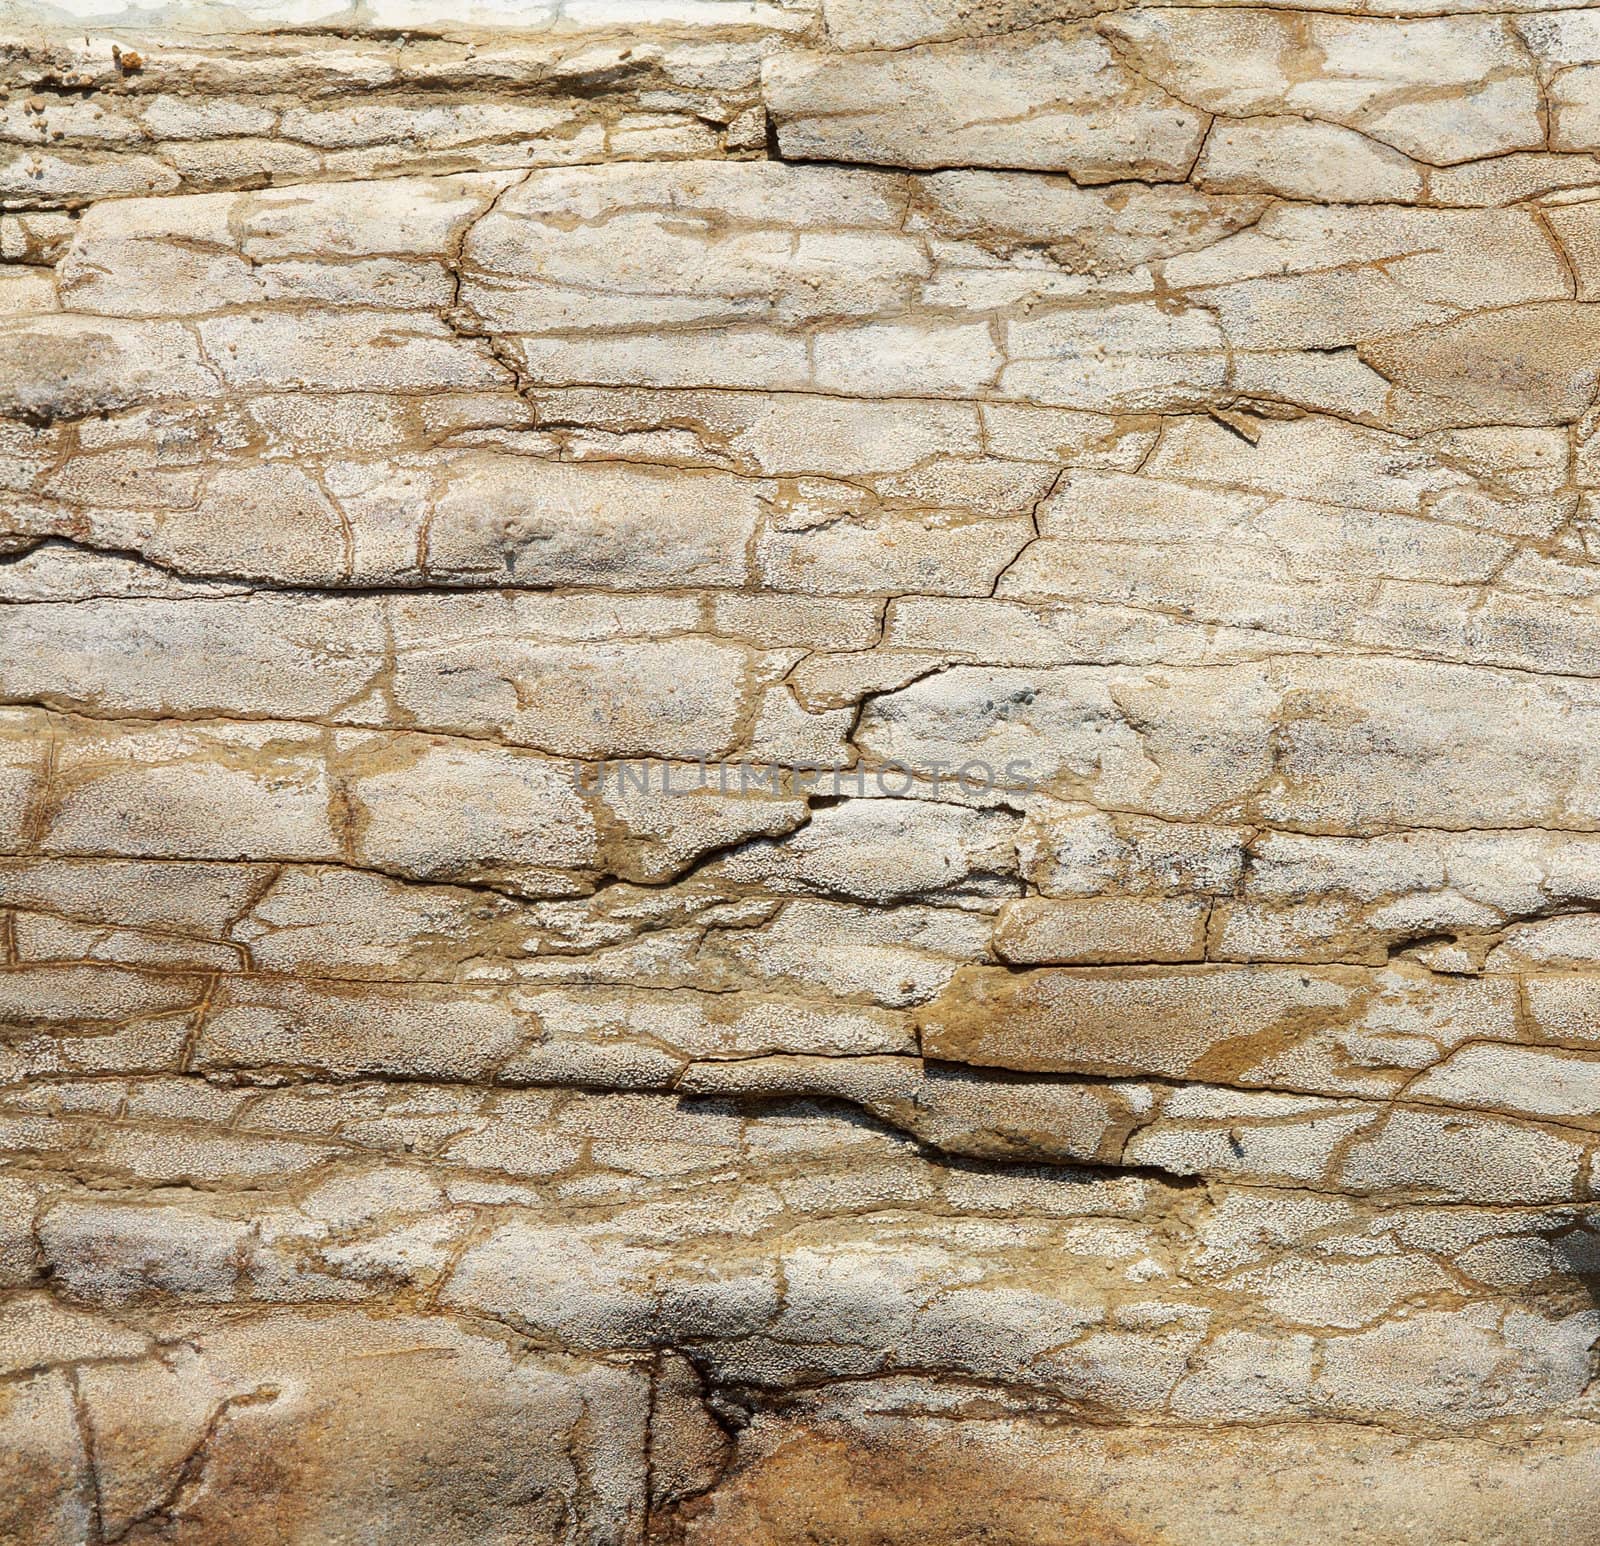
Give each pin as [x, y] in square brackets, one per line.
[799, 774]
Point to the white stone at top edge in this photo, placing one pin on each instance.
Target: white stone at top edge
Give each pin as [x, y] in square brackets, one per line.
[386, 15]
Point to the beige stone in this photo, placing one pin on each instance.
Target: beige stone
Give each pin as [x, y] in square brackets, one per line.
[1110, 123]
[799, 770]
[1089, 930]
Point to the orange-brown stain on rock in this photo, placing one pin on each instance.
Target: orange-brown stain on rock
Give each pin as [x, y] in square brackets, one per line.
[1196, 1022]
[827, 1489]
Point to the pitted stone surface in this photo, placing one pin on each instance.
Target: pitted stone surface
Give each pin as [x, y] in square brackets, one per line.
[799, 771]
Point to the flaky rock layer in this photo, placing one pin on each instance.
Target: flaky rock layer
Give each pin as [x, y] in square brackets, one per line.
[799, 773]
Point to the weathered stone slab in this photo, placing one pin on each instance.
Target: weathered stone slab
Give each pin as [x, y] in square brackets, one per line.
[806, 771]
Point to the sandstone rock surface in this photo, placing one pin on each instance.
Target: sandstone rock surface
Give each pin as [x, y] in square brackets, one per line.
[799, 771]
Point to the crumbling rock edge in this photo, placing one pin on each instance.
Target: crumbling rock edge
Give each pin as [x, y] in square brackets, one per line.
[799, 772]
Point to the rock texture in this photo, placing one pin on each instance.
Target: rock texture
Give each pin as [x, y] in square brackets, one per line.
[786, 773]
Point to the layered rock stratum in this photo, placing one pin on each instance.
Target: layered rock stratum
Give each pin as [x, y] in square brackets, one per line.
[799, 773]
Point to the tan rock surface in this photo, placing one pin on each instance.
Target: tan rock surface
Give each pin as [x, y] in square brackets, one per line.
[799, 771]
